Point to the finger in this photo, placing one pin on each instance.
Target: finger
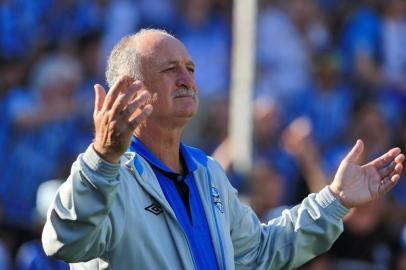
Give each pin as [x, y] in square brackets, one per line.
[400, 158]
[125, 97]
[394, 167]
[139, 101]
[398, 168]
[137, 120]
[355, 152]
[100, 95]
[385, 171]
[395, 178]
[384, 160]
[119, 86]
[388, 183]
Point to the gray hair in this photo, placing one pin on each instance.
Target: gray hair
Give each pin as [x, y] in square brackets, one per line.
[124, 58]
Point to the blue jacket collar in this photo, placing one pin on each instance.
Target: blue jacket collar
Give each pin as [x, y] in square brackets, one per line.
[138, 147]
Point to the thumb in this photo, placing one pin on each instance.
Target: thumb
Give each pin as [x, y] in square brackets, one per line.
[355, 152]
[100, 94]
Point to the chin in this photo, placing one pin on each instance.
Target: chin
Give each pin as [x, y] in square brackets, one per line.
[187, 113]
[188, 109]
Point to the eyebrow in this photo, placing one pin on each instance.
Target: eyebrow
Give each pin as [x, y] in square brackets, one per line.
[174, 62]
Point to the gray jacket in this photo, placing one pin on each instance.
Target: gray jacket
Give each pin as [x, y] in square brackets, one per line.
[115, 216]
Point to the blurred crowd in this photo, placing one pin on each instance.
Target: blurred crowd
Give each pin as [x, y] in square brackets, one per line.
[327, 72]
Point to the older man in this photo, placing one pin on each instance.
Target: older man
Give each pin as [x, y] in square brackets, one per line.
[164, 205]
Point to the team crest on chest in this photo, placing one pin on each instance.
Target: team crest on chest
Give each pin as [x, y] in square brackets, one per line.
[216, 199]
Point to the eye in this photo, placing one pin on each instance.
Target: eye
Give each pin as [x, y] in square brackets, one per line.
[191, 69]
[169, 69]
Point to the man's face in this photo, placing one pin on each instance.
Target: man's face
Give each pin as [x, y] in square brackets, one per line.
[168, 72]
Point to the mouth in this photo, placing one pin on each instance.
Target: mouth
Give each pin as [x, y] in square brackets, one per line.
[184, 96]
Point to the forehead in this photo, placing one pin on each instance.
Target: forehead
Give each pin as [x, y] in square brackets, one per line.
[158, 49]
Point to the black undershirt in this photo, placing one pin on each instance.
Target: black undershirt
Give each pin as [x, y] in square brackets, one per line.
[181, 187]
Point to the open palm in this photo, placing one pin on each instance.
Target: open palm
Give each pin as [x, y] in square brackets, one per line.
[355, 185]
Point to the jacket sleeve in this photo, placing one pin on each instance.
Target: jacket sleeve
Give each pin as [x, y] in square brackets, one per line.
[81, 224]
[290, 240]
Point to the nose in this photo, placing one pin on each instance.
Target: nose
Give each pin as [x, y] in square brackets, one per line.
[185, 78]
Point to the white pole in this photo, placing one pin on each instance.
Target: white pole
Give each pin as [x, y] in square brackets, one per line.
[242, 84]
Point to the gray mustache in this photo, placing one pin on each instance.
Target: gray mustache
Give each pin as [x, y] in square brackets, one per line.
[184, 91]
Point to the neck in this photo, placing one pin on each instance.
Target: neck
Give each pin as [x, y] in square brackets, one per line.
[164, 144]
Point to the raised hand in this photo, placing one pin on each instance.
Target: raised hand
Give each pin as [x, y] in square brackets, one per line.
[116, 115]
[355, 185]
